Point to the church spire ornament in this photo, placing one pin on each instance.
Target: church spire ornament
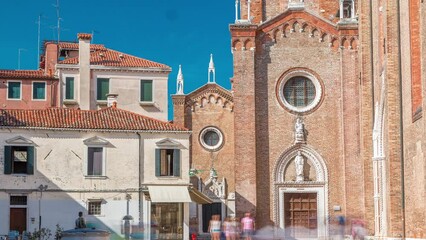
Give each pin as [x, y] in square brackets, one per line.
[211, 71]
[179, 86]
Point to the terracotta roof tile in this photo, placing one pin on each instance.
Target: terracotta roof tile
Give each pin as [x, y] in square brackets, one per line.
[112, 58]
[84, 36]
[24, 74]
[74, 46]
[113, 119]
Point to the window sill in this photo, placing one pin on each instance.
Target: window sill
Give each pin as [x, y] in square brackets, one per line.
[168, 177]
[101, 103]
[95, 177]
[19, 174]
[70, 102]
[147, 103]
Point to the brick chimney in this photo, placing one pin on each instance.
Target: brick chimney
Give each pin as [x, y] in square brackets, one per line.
[85, 91]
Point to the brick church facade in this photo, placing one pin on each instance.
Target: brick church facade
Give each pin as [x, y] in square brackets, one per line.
[324, 118]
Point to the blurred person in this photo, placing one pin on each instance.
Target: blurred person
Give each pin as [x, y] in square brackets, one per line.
[247, 222]
[341, 222]
[236, 227]
[214, 227]
[358, 229]
[80, 222]
[227, 228]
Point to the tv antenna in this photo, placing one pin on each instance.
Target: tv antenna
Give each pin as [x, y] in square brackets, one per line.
[19, 56]
[93, 35]
[38, 37]
[58, 27]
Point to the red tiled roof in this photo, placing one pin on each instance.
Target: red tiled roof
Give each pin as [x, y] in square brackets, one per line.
[84, 36]
[113, 119]
[74, 46]
[112, 58]
[24, 74]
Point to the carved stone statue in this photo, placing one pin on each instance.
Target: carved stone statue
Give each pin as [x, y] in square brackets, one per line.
[299, 131]
[299, 161]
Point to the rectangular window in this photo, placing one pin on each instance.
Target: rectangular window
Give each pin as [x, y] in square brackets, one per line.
[95, 161]
[102, 89]
[14, 90]
[69, 88]
[146, 91]
[19, 160]
[39, 90]
[18, 200]
[94, 207]
[167, 162]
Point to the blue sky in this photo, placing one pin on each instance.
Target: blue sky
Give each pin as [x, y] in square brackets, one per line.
[172, 32]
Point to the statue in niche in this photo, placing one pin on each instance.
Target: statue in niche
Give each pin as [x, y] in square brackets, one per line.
[299, 161]
[299, 128]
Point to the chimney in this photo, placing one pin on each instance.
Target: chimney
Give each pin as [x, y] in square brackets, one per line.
[112, 100]
[85, 97]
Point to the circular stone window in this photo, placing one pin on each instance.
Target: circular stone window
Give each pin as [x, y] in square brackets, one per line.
[299, 91]
[211, 138]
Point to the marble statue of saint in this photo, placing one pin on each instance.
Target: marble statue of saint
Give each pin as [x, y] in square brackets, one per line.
[299, 161]
[299, 129]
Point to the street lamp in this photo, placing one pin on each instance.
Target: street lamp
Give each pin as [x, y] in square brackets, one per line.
[127, 219]
[41, 188]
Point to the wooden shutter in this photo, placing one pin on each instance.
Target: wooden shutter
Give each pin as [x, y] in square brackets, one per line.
[30, 160]
[157, 162]
[176, 162]
[69, 88]
[102, 88]
[7, 159]
[146, 90]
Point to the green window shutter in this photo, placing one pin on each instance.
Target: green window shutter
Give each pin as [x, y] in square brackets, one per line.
[102, 88]
[14, 90]
[69, 88]
[146, 90]
[157, 162]
[7, 159]
[39, 90]
[176, 162]
[30, 160]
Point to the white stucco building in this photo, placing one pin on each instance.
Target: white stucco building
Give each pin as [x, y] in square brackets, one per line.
[88, 72]
[107, 163]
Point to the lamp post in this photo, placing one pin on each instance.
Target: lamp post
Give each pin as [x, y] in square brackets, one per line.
[127, 219]
[41, 188]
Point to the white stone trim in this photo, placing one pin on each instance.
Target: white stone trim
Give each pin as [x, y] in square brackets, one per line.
[314, 80]
[205, 145]
[320, 186]
[321, 207]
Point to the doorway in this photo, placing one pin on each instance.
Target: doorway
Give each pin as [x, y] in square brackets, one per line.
[301, 215]
[18, 213]
[208, 211]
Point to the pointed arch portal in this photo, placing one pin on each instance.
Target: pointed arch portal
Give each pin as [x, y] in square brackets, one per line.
[301, 206]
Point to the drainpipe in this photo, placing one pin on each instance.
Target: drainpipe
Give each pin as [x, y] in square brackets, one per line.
[401, 125]
[140, 178]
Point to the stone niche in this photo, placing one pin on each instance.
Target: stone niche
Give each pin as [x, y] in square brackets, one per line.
[308, 171]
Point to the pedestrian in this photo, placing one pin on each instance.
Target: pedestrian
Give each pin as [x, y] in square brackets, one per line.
[236, 228]
[80, 222]
[341, 221]
[358, 229]
[214, 227]
[248, 225]
[227, 228]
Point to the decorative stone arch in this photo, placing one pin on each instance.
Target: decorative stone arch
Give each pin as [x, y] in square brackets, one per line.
[354, 43]
[237, 44]
[319, 185]
[304, 27]
[313, 157]
[286, 29]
